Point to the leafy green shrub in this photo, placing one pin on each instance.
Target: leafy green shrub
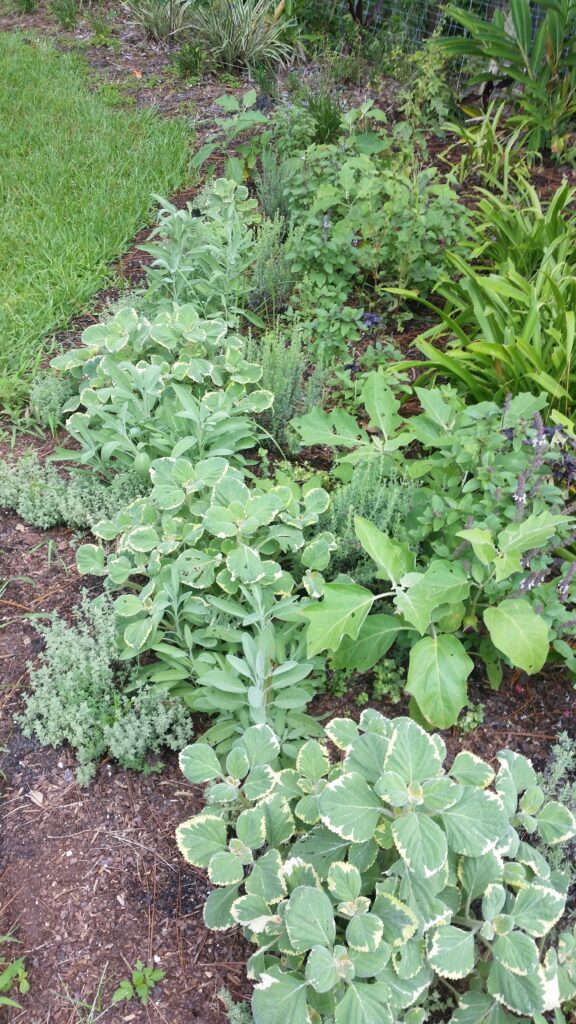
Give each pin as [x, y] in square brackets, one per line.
[271, 279]
[558, 782]
[189, 61]
[270, 183]
[505, 333]
[285, 372]
[426, 100]
[44, 498]
[160, 19]
[361, 222]
[146, 386]
[237, 34]
[48, 396]
[213, 569]
[204, 259]
[539, 65]
[377, 493]
[367, 882]
[80, 695]
[481, 567]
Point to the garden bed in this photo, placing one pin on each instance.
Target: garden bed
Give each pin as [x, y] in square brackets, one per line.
[92, 880]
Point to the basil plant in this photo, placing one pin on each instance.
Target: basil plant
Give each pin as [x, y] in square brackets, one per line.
[171, 385]
[369, 881]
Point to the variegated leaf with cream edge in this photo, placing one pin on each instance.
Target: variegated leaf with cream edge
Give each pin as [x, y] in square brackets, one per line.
[410, 875]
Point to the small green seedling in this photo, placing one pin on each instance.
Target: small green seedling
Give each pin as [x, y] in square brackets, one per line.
[139, 986]
[12, 971]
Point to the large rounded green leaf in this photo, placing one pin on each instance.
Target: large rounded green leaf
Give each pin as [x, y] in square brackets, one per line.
[476, 824]
[310, 919]
[350, 808]
[451, 952]
[437, 676]
[421, 843]
[280, 998]
[521, 634]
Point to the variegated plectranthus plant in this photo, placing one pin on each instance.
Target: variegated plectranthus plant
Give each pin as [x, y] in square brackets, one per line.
[367, 882]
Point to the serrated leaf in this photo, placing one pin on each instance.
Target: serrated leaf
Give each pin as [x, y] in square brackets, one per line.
[479, 1008]
[251, 827]
[475, 824]
[471, 770]
[519, 994]
[199, 763]
[321, 970]
[266, 879]
[310, 919]
[280, 998]
[421, 843]
[342, 732]
[225, 869]
[312, 761]
[200, 838]
[412, 754]
[517, 952]
[90, 560]
[253, 912]
[365, 1003]
[556, 823]
[260, 744]
[364, 933]
[451, 952]
[537, 909]
[350, 808]
[344, 881]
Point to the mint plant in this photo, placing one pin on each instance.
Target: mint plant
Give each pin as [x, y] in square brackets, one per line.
[367, 882]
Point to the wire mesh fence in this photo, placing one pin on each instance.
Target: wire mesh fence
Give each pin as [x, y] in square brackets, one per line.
[412, 21]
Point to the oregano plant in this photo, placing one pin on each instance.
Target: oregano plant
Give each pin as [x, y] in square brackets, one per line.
[368, 881]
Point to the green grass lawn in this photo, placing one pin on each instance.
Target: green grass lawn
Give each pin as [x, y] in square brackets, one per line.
[75, 184]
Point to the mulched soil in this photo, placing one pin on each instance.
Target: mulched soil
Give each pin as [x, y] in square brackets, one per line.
[91, 879]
